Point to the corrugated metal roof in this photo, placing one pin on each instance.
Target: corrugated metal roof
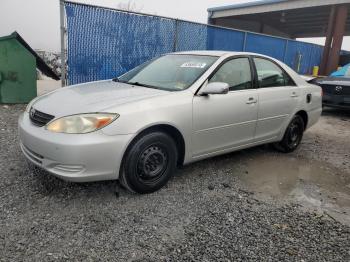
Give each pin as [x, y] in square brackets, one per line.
[243, 5]
[40, 63]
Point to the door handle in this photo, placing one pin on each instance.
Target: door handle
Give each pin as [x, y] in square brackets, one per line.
[251, 100]
[294, 94]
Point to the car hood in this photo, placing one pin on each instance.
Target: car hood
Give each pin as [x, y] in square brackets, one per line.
[92, 97]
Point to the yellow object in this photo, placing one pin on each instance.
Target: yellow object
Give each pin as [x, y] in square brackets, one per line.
[315, 71]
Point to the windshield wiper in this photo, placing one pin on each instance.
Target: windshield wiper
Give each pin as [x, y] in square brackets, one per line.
[116, 79]
[143, 85]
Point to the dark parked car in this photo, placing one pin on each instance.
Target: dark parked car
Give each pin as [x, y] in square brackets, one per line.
[336, 91]
[336, 88]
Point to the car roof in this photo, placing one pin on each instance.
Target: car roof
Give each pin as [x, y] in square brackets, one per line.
[212, 53]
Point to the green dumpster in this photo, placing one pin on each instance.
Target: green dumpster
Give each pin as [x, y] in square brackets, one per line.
[18, 64]
[17, 72]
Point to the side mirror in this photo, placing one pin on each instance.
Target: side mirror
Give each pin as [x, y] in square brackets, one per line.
[214, 88]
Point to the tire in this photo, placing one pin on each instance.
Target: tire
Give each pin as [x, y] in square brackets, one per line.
[292, 137]
[149, 163]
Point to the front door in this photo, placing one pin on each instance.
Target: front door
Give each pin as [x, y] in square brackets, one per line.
[226, 121]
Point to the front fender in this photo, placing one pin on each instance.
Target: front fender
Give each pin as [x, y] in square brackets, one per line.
[174, 110]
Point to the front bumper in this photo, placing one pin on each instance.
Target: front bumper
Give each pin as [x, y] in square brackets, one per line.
[73, 157]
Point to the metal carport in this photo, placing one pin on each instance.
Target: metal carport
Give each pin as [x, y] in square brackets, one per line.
[291, 19]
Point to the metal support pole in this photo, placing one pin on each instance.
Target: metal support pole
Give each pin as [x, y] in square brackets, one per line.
[245, 41]
[328, 43]
[63, 44]
[176, 35]
[285, 51]
[210, 21]
[338, 34]
[310, 66]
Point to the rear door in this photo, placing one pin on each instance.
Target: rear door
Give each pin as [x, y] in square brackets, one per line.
[278, 98]
[225, 121]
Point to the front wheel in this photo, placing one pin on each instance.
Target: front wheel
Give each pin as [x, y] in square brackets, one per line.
[293, 135]
[149, 163]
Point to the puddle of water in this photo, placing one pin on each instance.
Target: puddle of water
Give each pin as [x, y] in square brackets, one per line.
[311, 183]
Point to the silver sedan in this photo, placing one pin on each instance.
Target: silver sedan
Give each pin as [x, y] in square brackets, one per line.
[170, 111]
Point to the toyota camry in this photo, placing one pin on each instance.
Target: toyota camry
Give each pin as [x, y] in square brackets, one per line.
[170, 111]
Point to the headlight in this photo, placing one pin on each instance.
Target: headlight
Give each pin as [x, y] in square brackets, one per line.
[81, 124]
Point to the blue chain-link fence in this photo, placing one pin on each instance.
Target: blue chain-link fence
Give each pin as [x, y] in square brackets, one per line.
[104, 43]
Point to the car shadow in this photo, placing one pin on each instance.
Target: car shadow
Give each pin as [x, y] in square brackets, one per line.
[222, 162]
[48, 185]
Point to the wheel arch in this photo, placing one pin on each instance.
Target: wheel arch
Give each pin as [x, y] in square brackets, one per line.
[168, 129]
[303, 114]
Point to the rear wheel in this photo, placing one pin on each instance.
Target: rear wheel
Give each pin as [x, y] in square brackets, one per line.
[149, 163]
[292, 137]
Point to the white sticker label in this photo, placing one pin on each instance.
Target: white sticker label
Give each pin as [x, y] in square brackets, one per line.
[194, 65]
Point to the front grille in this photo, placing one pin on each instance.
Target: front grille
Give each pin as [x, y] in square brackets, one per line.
[328, 89]
[346, 90]
[39, 118]
[333, 90]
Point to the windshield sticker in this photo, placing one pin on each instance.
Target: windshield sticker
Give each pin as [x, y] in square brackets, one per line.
[194, 65]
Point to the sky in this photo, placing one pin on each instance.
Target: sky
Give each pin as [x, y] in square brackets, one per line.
[38, 20]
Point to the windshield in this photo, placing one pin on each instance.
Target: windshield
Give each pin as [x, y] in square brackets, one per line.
[169, 72]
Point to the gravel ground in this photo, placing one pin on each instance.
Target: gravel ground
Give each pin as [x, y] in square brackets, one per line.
[328, 141]
[204, 214]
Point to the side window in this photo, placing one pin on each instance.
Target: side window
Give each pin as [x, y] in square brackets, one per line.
[270, 74]
[236, 73]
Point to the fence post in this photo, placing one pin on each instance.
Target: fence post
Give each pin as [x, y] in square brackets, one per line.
[285, 52]
[176, 35]
[310, 67]
[245, 41]
[63, 44]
